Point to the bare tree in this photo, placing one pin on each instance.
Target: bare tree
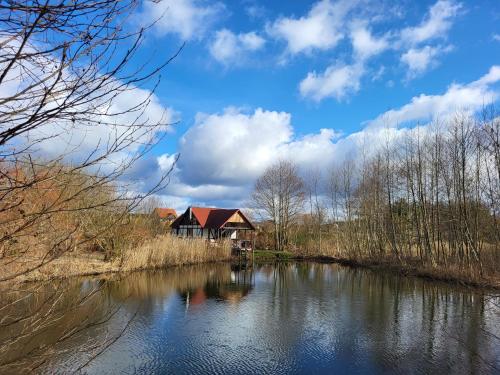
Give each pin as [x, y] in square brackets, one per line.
[317, 210]
[279, 196]
[69, 75]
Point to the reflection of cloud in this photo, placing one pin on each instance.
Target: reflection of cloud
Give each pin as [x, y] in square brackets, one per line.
[300, 317]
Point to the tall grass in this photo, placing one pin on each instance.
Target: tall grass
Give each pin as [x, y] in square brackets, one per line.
[167, 250]
[335, 244]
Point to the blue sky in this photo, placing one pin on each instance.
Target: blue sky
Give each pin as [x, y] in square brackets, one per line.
[307, 80]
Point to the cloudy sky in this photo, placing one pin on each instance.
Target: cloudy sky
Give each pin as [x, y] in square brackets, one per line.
[312, 81]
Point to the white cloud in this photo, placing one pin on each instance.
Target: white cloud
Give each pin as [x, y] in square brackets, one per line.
[232, 146]
[337, 81]
[496, 37]
[489, 78]
[224, 153]
[340, 80]
[320, 29]
[112, 125]
[424, 107]
[419, 60]
[190, 19]
[228, 47]
[107, 128]
[365, 45]
[436, 24]
[255, 10]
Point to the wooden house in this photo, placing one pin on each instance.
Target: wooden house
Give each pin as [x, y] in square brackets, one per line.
[214, 224]
[166, 215]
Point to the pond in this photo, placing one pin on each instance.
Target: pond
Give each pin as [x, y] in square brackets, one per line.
[286, 318]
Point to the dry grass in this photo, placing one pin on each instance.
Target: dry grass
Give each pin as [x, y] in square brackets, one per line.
[169, 250]
[409, 264]
[162, 251]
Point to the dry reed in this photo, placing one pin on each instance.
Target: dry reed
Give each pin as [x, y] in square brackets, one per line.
[162, 251]
[169, 250]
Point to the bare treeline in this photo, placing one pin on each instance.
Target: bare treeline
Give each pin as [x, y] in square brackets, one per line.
[77, 111]
[429, 198]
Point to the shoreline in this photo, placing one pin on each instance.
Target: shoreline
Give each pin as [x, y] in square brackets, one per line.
[107, 269]
[60, 271]
[386, 266]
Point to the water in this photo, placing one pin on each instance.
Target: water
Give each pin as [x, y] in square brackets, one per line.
[273, 319]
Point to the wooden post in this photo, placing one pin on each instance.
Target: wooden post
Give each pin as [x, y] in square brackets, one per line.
[253, 248]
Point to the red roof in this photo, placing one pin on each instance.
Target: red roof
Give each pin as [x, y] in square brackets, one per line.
[163, 213]
[210, 217]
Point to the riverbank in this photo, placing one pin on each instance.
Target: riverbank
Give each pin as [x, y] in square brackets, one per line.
[163, 251]
[412, 269]
[168, 251]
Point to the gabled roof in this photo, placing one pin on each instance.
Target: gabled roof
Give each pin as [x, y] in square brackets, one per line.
[211, 217]
[165, 212]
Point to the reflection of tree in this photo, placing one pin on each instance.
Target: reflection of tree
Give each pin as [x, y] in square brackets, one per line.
[39, 323]
[46, 323]
[398, 321]
[298, 312]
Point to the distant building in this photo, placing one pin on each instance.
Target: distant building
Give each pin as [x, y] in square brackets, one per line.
[214, 224]
[166, 215]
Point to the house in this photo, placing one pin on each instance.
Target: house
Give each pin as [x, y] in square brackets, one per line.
[166, 215]
[214, 224]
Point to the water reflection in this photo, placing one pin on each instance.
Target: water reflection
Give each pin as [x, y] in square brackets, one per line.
[282, 318]
[231, 289]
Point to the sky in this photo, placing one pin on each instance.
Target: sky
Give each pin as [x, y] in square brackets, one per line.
[309, 81]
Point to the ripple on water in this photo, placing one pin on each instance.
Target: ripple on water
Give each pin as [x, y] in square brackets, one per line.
[293, 318]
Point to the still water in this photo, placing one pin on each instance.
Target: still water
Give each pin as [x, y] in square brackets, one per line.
[271, 319]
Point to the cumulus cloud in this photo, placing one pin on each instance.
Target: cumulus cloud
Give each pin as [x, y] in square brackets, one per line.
[117, 121]
[471, 96]
[228, 47]
[341, 80]
[84, 138]
[320, 29]
[231, 146]
[436, 24]
[337, 81]
[223, 153]
[419, 60]
[190, 19]
[365, 45]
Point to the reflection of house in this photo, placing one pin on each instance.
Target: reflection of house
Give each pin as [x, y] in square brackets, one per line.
[240, 285]
[214, 224]
[166, 215]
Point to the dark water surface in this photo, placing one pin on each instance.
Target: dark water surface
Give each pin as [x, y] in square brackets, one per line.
[274, 319]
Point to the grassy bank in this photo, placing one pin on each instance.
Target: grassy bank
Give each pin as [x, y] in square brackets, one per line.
[271, 256]
[406, 267]
[162, 251]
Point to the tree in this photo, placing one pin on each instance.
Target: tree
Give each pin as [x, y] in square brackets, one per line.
[279, 196]
[317, 209]
[69, 76]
